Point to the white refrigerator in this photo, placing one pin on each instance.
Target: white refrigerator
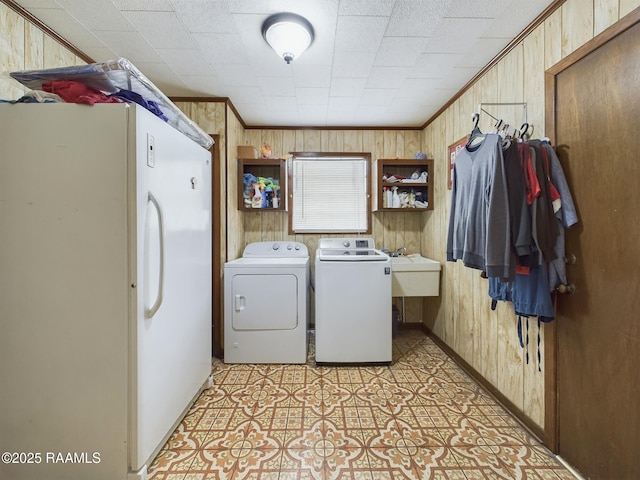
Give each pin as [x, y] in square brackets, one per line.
[105, 288]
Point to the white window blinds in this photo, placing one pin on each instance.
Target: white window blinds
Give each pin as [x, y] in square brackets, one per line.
[330, 194]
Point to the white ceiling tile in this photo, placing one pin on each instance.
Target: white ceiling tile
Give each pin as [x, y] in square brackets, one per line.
[240, 95]
[261, 116]
[205, 84]
[354, 64]
[221, 48]
[343, 104]
[160, 76]
[522, 11]
[237, 76]
[144, 5]
[374, 115]
[432, 65]
[312, 115]
[33, 4]
[407, 103]
[439, 96]
[359, 34]
[473, 8]
[418, 87]
[367, 7]
[347, 87]
[404, 117]
[514, 18]
[387, 77]
[75, 33]
[459, 76]
[416, 19]
[480, 52]
[256, 6]
[269, 65]
[161, 29]
[456, 35]
[311, 75]
[282, 104]
[400, 51]
[372, 63]
[277, 86]
[312, 96]
[130, 45]
[101, 54]
[186, 61]
[95, 16]
[377, 96]
[205, 16]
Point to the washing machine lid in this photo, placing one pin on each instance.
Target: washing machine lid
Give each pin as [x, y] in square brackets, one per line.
[351, 255]
[268, 262]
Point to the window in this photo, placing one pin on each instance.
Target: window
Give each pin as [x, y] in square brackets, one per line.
[330, 193]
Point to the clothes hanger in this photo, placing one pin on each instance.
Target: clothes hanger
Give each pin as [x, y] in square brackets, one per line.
[476, 136]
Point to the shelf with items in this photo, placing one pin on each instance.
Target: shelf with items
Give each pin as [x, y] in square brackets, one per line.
[404, 185]
[261, 184]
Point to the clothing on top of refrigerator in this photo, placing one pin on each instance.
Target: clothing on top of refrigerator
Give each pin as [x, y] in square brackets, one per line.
[76, 92]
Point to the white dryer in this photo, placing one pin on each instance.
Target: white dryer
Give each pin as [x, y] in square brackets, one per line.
[266, 304]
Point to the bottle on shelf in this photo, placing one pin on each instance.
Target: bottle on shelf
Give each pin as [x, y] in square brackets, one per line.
[396, 198]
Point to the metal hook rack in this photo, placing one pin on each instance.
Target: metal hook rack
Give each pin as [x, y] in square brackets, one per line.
[481, 110]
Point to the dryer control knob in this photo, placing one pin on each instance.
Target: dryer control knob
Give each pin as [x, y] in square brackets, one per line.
[289, 247]
[346, 244]
[276, 246]
[297, 247]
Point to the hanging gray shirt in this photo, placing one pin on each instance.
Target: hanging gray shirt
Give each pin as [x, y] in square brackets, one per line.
[479, 227]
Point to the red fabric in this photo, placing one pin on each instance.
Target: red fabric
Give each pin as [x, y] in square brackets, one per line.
[76, 92]
[553, 192]
[531, 180]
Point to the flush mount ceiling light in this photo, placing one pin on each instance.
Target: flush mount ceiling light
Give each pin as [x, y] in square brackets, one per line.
[288, 34]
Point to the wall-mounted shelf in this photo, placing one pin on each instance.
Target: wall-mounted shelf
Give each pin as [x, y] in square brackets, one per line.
[412, 179]
[268, 195]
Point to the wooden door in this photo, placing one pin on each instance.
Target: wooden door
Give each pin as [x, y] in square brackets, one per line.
[597, 117]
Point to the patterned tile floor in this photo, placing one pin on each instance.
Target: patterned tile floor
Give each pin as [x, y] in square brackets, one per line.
[420, 418]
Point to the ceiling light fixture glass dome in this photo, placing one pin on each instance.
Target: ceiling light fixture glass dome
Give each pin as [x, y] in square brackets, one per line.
[288, 34]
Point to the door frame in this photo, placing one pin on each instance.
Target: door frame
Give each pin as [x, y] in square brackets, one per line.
[216, 248]
[551, 420]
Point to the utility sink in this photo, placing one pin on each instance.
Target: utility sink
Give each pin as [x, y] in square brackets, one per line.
[415, 276]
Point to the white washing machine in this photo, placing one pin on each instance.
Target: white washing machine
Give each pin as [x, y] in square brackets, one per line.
[353, 302]
[265, 304]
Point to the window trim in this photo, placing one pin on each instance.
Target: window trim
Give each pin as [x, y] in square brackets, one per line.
[365, 155]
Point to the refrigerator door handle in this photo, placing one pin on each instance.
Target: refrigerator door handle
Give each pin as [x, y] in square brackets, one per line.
[150, 312]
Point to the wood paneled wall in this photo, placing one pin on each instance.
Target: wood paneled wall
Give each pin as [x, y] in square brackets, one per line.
[25, 47]
[487, 340]
[389, 229]
[461, 316]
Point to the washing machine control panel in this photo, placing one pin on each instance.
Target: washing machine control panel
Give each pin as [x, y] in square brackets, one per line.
[276, 249]
[350, 243]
